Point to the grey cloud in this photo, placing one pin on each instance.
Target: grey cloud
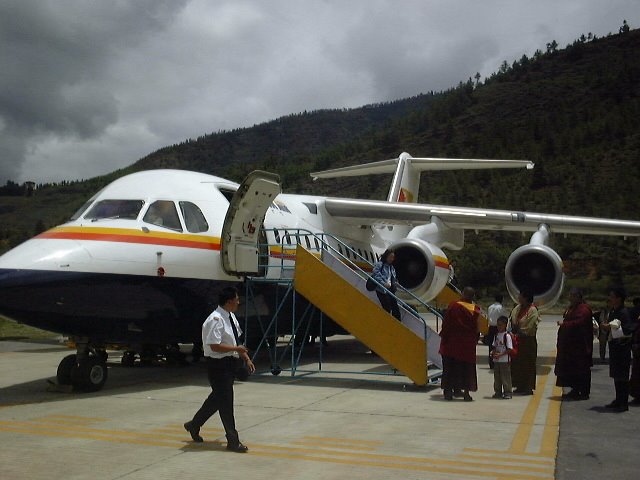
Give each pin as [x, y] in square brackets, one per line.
[55, 57]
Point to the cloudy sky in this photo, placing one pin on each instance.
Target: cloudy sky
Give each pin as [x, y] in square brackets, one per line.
[89, 86]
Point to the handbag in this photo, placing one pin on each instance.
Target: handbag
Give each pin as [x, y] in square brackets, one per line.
[370, 285]
[242, 372]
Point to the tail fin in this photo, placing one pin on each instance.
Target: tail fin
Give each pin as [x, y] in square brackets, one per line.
[406, 180]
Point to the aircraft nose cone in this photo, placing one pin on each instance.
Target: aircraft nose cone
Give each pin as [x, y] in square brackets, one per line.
[34, 297]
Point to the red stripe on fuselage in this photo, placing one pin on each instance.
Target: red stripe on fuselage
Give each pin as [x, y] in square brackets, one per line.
[105, 237]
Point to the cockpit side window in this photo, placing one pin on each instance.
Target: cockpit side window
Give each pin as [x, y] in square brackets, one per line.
[81, 210]
[121, 209]
[193, 217]
[164, 214]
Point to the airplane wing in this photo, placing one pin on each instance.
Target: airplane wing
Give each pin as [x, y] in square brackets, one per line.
[374, 212]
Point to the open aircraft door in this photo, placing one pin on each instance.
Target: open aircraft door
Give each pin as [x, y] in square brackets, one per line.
[242, 226]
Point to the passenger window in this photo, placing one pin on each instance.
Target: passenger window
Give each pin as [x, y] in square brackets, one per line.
[360, 252]
[287, 237]
[193, 218]
[122, 209]
[276, 234]
[164, 214]
[306, 240]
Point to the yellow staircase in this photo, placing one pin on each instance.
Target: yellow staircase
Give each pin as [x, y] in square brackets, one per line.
[364, 319]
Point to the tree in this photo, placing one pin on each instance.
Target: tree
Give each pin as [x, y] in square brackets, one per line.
[625, 27]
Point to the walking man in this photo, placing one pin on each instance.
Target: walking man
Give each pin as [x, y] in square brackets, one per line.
[224, 354]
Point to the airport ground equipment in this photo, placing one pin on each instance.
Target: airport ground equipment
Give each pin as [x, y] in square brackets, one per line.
[330, 282]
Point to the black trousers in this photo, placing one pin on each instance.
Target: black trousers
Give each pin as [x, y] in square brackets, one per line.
[220, 372]
[619, 367]
[389, 304]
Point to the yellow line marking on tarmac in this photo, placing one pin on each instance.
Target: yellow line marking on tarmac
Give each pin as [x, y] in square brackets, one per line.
[74, 417]
[44, 426]
[402, 466]
[343, 440]
[59, 421]
[329, 445]
[395, 458]
[353, 458]
[183, 431]
[90, 436]
[552, 425]
[515, 455]
[523, 432]
[491, 457]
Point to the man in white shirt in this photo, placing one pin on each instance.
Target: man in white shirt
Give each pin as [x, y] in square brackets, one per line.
[495, 311]
[223, 352]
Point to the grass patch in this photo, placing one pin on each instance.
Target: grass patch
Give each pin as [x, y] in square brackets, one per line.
[10, 329]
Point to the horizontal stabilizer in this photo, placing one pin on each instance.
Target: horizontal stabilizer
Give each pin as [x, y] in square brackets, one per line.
[421, 165]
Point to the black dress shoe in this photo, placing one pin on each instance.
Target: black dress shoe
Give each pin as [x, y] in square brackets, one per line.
[238, 448]
[614, 404]
[467, 398]
[194, 432]
[570, 395]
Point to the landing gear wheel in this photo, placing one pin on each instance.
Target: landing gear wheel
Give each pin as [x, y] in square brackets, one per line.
[90, 375]
[276, 370]
[196, 353]
[102, 355]
[65, 369]
[128, 359]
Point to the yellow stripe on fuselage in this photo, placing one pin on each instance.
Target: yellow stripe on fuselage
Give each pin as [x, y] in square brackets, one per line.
[129, 235]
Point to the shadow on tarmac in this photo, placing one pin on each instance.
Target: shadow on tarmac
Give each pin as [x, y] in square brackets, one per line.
[140, 378]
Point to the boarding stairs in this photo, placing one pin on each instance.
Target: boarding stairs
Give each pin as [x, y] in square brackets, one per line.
[338, 289]
[332, 278]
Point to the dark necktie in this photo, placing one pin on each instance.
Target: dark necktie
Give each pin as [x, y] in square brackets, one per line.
[235, 330]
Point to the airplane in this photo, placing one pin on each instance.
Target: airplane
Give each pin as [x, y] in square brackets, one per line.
[139, 264]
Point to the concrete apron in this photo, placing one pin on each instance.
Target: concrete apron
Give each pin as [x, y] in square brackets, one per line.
[323, 425]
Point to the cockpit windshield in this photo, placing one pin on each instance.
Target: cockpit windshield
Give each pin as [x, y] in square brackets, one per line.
[121, 209]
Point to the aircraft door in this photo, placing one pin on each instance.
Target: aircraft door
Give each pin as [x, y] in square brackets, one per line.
[241, 231]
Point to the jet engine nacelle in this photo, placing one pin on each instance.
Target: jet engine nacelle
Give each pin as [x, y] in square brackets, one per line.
[537, 268]
[422, 268]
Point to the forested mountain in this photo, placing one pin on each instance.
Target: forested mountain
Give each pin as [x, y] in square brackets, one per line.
[575, 112]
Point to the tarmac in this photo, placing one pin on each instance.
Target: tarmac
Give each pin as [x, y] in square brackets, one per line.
[354, 419]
